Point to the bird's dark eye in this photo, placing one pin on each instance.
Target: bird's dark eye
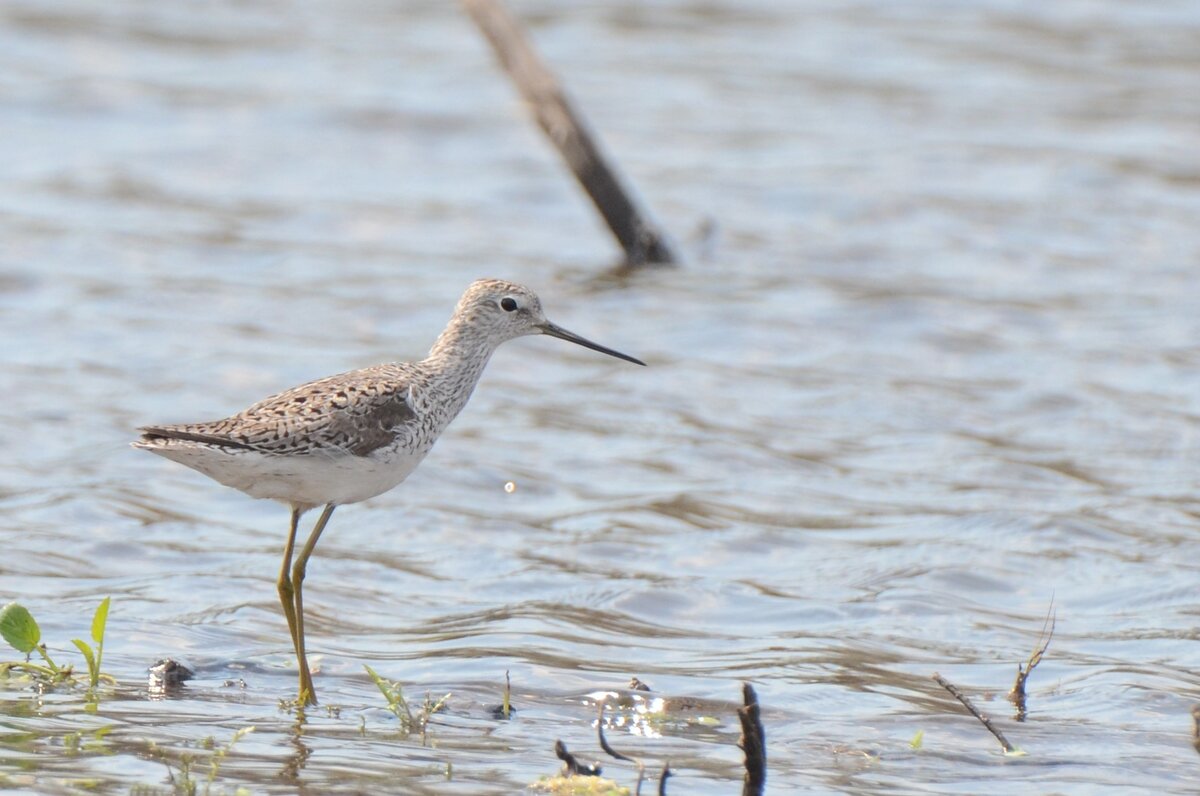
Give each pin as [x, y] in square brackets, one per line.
[508, 304]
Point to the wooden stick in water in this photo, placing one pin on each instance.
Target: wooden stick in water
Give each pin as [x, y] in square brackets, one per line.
[642, 241]
[753, 743]
[974, 711]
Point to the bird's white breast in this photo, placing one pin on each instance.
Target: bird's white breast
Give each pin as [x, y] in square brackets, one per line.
[307, 480]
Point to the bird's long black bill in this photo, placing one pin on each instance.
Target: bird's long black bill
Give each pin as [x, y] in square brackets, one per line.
[555, 330]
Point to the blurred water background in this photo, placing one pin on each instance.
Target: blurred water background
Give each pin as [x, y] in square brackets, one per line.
[933, 364]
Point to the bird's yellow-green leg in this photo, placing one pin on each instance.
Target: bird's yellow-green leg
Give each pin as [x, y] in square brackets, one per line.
[308, 695]
[286, 592]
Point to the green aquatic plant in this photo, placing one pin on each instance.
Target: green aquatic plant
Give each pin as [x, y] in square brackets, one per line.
[182, 777]
[393, 693]
[506, 708]
[219, 753]
[92, 742]
[99, 620]
[21, 631]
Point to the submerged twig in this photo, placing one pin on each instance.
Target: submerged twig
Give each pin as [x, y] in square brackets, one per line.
[574, 767]
[753, 743]
[974, 711]
[614, 753]
[1017, 694]
[662, 778]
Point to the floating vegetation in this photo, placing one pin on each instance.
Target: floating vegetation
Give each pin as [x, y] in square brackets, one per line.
[88, 742]
[182, 773]
[579, 786]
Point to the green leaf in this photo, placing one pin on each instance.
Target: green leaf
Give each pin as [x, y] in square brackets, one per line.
[19, 629]
[380, 683]
[88, 655]
[917, 740]
[394, 694]
[239, 735]
[100, 620]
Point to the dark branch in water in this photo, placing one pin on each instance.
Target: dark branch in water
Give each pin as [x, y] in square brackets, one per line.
[604, 741]
[614, 753]
[662, 778]
[642, 241]
[974, 711]
[753, 743]
[1017, 694]
[574, 767]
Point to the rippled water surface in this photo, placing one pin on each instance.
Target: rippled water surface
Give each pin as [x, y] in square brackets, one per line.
[933, 364]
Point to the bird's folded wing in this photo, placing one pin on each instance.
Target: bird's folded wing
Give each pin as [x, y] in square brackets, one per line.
[343, 415]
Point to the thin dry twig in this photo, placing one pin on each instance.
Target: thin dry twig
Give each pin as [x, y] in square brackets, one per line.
[974, 711]
[753, 743]
[1017, 694]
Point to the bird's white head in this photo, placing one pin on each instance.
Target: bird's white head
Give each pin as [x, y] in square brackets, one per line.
[500, 310]
[492, 311]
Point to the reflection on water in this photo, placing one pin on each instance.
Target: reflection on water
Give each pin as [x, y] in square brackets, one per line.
[936, 368]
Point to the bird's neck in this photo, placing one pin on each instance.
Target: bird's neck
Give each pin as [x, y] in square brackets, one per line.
[456, 362]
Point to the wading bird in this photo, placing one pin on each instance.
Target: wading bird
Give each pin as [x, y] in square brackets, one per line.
[356, 435]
